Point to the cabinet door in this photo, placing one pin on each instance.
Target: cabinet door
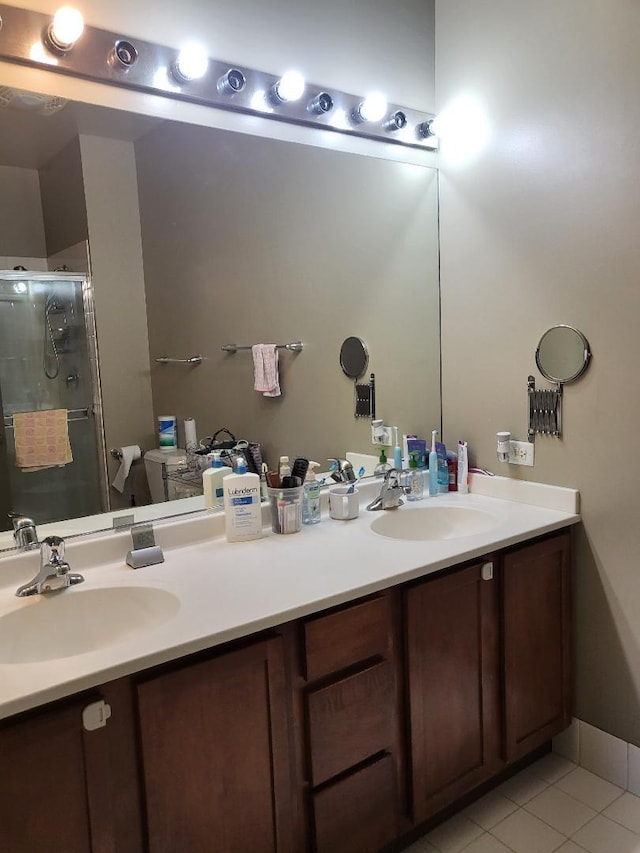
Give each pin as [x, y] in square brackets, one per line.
[537, 635]
[452, 671]
[54, 785]
[215, 754]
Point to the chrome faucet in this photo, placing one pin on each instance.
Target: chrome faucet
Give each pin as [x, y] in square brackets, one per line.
[390, 496]
[24, 531]
[54, 570]
[342, 471]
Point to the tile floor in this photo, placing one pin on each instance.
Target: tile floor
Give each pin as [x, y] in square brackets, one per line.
[553, 806]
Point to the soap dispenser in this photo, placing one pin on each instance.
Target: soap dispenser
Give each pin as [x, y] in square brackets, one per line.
[311, 496]
[383, 466]
[415, 479]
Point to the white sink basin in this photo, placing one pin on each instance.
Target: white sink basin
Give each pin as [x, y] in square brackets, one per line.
[433, 522]
[79, 620]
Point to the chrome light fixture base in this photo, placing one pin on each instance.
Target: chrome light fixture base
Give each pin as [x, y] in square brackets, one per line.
[116, 59]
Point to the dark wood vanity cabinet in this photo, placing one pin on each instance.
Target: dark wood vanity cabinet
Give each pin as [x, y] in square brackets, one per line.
[44, 799]
[536, 625]
[350, 700]
[488, 657]
[215, 755]
[334, 734]
[452, 660]
[64, 789]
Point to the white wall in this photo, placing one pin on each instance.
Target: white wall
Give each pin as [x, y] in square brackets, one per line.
[543, 228]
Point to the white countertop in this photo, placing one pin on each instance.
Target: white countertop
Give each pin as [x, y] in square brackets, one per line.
[230, 590]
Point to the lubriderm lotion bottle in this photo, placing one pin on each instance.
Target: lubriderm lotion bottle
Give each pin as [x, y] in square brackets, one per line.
[212, 479]
[242, 511]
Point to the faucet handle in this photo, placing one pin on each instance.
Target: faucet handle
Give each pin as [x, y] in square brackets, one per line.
[393, 478]
[52, 552]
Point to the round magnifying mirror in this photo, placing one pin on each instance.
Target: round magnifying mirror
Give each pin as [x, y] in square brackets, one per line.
[562, 354]
[353, 357]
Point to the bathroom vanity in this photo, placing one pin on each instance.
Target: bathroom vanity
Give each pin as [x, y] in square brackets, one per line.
[329, 691]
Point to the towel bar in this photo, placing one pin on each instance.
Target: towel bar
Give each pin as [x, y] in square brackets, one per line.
[296, 346]
[163, 359]
[83, 415]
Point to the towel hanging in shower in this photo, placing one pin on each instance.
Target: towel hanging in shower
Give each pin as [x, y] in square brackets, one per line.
[42, 439]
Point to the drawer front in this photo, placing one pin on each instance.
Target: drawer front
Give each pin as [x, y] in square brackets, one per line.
[347, 637]
[359, 812]
[350, 720]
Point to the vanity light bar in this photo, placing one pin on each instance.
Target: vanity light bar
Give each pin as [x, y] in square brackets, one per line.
[108, 57]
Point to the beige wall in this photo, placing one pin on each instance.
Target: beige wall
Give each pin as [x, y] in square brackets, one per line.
[63, 202]
[21, 225]
[249, 240]
[542, 228]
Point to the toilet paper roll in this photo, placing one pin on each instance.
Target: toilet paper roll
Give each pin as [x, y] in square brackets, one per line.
[190, 437]
[130, 453]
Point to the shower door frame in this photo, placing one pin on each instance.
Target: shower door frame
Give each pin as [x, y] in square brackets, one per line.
[95, 409]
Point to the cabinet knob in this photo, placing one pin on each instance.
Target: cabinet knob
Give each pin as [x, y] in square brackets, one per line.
[487, 571]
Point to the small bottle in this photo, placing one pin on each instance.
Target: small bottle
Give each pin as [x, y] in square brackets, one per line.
[383, 466]
[311, 497]
[284, 469]
[443, 468]
[242, 510]
[452, 459]
[433, 465]
[212, 478]
[415, 480]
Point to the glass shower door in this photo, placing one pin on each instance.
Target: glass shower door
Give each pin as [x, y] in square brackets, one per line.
[48, 361]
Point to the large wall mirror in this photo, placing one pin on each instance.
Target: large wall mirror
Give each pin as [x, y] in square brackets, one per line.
[199, 237]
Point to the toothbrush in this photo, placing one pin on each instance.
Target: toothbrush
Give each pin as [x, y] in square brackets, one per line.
[352, 487]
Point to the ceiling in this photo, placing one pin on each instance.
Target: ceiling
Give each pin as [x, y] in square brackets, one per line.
[29, 136]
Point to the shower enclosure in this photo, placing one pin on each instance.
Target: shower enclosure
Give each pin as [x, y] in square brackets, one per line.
[48, 360]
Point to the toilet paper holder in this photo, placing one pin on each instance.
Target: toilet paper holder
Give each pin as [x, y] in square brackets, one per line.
[117, 453]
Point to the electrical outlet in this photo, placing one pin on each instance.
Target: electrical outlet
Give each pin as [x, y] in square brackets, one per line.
[521, 453]
[382, 436]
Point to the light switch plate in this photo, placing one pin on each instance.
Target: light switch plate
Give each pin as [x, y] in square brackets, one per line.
[521, 453]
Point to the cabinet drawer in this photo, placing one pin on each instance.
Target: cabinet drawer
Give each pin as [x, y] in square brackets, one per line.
[350, 720]
[359, 812]
[346, 637]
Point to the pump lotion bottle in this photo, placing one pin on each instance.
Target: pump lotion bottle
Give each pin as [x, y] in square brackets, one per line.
[242, 511]
[212, 479]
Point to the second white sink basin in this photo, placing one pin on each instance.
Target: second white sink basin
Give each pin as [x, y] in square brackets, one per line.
[79, 620]
[433, 522]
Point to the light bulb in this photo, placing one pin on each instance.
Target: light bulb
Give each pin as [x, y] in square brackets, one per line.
[289, 87]
[463, 129]
[372, 108]
[66, 28]
[192, 63]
